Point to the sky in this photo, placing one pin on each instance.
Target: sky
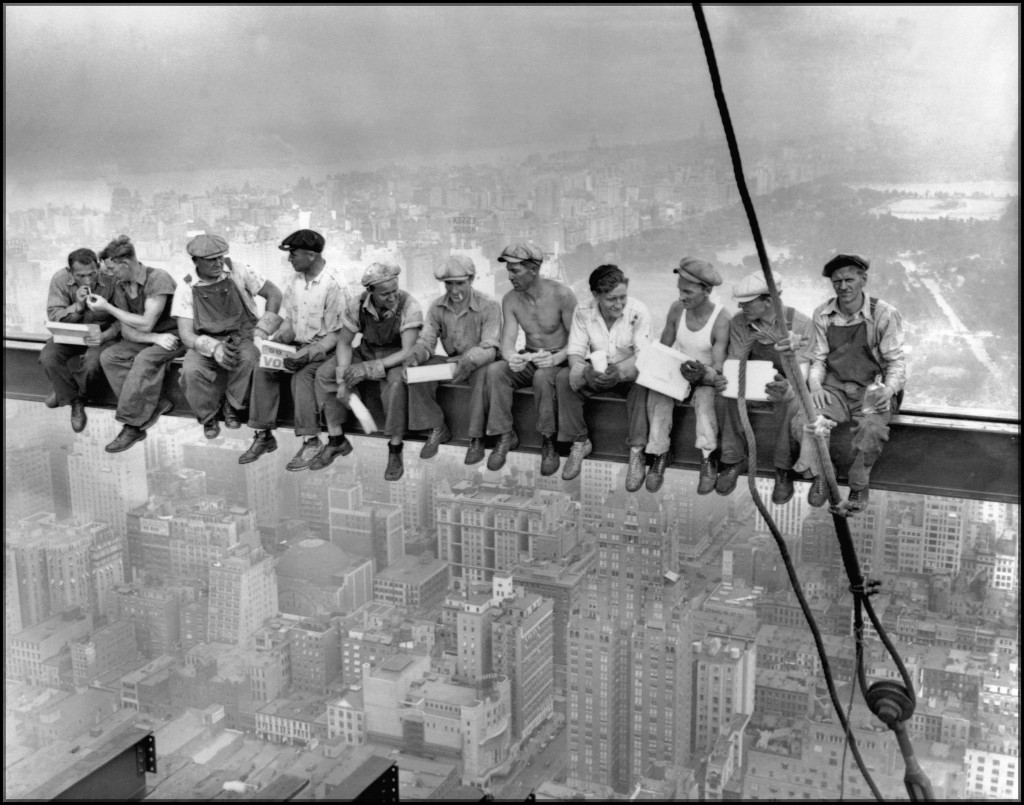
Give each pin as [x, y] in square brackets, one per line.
[99, 89]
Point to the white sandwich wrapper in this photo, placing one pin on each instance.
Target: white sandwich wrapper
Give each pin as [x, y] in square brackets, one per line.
[362, 413]
[272, 354]
[66, 333]
[759, 374]
[599, 360]
[431, 373]
[658, 368]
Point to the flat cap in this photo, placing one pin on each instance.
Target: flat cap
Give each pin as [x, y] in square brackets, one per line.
[697, 270]
[456, 267]
[844, 260]
[379, 272]
[521, 252]
[207, 246]
[753, 286]
[303, 239]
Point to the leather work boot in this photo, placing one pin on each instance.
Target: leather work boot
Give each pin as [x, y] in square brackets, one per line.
[128, 436]
[783, 490]
[728, 474]
[858, 500]
[438, 436]
[818, 494]
[549, 459]
[51, 401]
[211, 428]
[78, 417]
[708, 475]
[475, 452]
[329, 452]
[637, 469]
[395, 468]
[264, 442]
[310, 449]
[165, 406]
[231, 419]
[507, 441]
[573, 465]
[656, 475]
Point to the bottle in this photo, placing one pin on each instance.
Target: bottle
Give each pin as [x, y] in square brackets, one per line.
[873, 396]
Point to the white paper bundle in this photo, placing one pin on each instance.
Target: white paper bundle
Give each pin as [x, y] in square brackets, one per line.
[431, 373]
[362, 413]
[759, 374]
[66, 333]
[658, 368]
[272, 354]
[599, 360]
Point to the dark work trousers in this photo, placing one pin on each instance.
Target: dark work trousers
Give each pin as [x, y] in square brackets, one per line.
[135, 373]
[306, 399]
[392, 391]
[502, 381]
[426, 414]
[734, 442]
[205, 382]
[571, 424]
[72, 369]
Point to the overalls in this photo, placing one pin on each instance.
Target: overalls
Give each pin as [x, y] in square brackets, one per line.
[221, 312]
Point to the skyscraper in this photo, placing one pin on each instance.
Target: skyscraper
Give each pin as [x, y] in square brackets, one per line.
[243, 593]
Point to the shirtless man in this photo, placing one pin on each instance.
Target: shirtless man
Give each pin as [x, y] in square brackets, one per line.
[543, 308]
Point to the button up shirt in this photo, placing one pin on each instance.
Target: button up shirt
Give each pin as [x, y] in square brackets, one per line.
[472, 331]
[885, 338]
[412, 314]
[61, 296]
[248, 282]
[314, 306]
[629, 333]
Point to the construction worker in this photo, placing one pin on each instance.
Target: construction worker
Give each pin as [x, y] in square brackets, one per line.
[856, 341]
[390, 321]
[217, 319]
[310, 320]
[468, 324]
[72, 369]
[136, 365]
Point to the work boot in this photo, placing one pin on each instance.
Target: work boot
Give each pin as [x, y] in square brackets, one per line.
[395, 468]
[783, 490]
[728, 474]
[211, 427]
[310, 449]
[78, 417]
[818, 494]
[264, 442]
[708, 475]
[573, 465]
[858, 500]
[656, 475]
[475, 452]
[507, 441]
[637, 469]
[231, 419]
[329, 452]
[128, 436]
[51, 401]
[549, 459]
[438, 436]
[165, 406]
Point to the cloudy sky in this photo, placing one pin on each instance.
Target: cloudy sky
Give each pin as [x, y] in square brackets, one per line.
[95, 89]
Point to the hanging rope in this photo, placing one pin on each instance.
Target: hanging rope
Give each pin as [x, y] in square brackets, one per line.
[893, 703]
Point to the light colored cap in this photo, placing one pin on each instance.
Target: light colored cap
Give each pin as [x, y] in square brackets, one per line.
[753, 286]
[207, 246]
[380, 272]
[456, 267]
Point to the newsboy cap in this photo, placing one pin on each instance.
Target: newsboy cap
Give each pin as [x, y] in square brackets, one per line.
[379, 272]
[520, 253]
[697, 270]
[753, 286]
[207, 246]
[456, 267]
[303, 239]
[844, 260]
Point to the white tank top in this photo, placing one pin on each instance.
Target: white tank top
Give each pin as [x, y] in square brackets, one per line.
[696, 344]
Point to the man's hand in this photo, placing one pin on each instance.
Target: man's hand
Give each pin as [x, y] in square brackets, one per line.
[225, 355]
[411, 360]
[354, 374]
[295, 362]
[819, 397]
[463, 368]
[578, 375]
[693, 372]
[543, 359]
[601, 381]
[167, 341]
[97, 303]
[81, 295]
[720, 383]
[778, 389]
[94, 340]
[517, 362]
[612, 374]
[792, 343]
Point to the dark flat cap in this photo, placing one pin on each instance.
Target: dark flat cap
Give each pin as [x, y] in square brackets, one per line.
[520, 253]
[697, 270]
[844, 260]
[303, 239]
